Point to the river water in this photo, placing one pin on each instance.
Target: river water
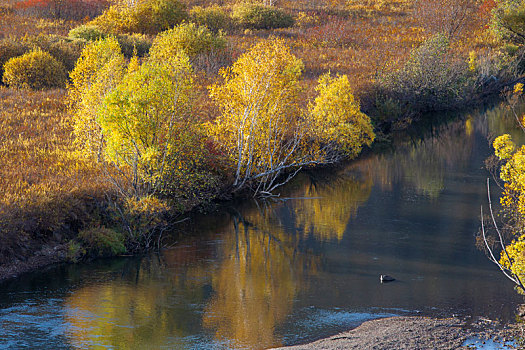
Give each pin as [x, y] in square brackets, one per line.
[262, 274]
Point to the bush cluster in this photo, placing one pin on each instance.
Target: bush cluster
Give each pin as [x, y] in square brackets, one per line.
[148, 17]
[213, 17]
[431, 80]
[254, 16]
[36, 69]
[189, 38]
[65, 50]
[129, 43]
[102, 241]
[10, 48]
[87, 32]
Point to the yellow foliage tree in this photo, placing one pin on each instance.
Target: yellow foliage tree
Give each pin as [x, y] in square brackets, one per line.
[265, 132]
[150, 134]
[260, 118]
[99, 70]
[513, 201]
[512, 172]
[335, 120]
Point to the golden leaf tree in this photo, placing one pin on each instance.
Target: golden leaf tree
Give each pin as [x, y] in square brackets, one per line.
[265, 131]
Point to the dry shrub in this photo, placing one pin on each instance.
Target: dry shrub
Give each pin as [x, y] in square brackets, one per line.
[374, 8]
[18, 26]
[336, 32]
[451, 17]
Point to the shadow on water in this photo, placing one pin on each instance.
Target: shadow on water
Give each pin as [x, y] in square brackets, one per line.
[261, 274]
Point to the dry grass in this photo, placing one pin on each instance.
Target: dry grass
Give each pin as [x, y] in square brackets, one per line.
[47, 189]
[36, 145]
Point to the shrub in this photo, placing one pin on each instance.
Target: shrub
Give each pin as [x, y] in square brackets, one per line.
[65, 50]
[254, 16]
[148, 17]
[189, 38]
[10, 48]
[155, 16]
[431, 80]
[213, 17]
[75, 252]
[130, 43]
[101, 241]
[36, 69]
[87, 32]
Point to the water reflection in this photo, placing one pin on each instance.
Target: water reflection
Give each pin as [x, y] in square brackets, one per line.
[255, 284]
[257, 275]
[329, 203]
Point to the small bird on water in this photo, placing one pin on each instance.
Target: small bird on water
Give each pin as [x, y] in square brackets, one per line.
[386, 278]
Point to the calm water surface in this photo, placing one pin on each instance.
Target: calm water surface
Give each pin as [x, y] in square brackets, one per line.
[257, 275]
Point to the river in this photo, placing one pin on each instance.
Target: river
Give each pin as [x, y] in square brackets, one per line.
[262, 274]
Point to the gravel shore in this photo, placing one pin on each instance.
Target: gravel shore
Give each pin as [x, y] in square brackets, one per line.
[420, 333]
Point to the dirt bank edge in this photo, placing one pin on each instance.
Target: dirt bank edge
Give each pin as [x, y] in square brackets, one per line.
[412, 332]
[50, 254]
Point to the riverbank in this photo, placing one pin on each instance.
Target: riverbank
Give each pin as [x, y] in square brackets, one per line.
[421, 333]
[31, 251]
[49, 254]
